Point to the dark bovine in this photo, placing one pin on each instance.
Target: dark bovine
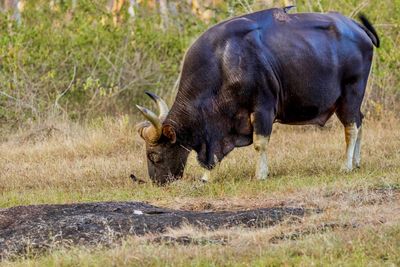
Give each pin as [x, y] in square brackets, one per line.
[278, 67]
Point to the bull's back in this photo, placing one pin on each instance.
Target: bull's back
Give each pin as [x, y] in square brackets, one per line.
[315, 54]
[310, 54]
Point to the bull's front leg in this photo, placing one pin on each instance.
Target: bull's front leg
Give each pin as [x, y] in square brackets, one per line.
[262, 128]
[260, 145]
[208, 174]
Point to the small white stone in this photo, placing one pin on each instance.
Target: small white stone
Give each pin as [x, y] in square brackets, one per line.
[138, 212]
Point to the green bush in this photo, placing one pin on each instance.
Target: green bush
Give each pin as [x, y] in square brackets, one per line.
[80, 65]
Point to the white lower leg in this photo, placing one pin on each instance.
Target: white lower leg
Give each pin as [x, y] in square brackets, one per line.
[207, 175]
[351, 138]
[260, 145]
[357, 149]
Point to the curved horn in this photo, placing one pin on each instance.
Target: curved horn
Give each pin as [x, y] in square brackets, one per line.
[163, 107]
[150, 133]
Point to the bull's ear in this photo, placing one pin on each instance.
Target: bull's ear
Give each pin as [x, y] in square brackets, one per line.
[169, 132]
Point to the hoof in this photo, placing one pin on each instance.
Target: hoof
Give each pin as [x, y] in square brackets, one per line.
[262, 176]
[206, 177]
[346, 168]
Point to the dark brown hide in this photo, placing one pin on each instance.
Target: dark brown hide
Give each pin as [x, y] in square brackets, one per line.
[288, 68]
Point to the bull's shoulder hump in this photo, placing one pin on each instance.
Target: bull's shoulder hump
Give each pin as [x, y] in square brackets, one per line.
[237, 26]
[251, 21]
[218, 35]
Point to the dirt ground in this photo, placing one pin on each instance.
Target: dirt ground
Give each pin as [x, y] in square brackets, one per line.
[35, 228]
[38, 228]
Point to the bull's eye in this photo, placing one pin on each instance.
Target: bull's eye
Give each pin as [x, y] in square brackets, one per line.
[154, 157]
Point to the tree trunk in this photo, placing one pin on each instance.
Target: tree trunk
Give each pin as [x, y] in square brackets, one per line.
[164, 14]
[15, 6]
[131, 9]
[116, 10]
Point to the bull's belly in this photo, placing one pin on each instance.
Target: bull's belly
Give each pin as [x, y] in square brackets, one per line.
[301, 115]
[307, 100]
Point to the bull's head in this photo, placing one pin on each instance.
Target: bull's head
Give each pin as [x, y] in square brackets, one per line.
[166, 158]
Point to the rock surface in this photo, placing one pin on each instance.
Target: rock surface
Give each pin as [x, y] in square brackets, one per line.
[36, 228]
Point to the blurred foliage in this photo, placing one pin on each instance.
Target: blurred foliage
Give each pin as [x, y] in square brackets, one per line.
[79, 64]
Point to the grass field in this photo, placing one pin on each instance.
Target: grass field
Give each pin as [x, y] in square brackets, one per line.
[61, 162]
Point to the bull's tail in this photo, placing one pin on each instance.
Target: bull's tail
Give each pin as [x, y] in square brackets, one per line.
[370, 30]
[286, 9]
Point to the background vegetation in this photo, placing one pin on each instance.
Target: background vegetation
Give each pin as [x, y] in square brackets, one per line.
[75, 59]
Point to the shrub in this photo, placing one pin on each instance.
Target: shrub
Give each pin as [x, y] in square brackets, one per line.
[79, 64]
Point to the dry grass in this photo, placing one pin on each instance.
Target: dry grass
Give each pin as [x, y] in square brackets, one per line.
[90, 163]
[64, 163]
[357, 228]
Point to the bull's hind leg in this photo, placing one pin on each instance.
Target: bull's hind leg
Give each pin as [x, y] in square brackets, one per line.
[357, 148]
[262, 125]
[348, 112]
[353, 146]
[351, 133]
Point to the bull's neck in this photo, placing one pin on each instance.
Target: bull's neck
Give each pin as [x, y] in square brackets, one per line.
[184, 121]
